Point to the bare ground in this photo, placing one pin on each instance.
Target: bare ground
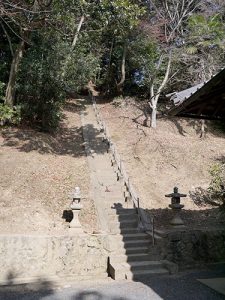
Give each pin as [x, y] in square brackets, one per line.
[172, 155]
[39, 172]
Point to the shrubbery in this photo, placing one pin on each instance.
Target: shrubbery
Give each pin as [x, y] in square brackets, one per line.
[217, 185]
[9, 115]
[40, 88]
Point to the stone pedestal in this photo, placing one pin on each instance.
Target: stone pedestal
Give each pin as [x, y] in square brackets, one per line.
[75, 225]
[177, 221]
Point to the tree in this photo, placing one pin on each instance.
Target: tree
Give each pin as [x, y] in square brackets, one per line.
[20, 18]
[39, 84]
[205, 44]
[168, 31]
[120, 19]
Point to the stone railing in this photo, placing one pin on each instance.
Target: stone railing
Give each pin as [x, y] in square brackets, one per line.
[145, 221]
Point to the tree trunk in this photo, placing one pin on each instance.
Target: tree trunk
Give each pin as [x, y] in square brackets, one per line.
[10, 91]
[77, 33]
[109, 71]
[153, 117]
[123, 72]
[155, 96]
[202, 130]
[73, 45]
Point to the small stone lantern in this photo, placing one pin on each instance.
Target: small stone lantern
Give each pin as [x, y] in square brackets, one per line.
[76, 206]
[176, 207]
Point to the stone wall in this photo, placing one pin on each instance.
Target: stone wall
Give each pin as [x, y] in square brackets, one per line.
[191, 248]
[25, 257]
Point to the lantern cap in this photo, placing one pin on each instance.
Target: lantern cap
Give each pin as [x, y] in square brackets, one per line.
[175, 194]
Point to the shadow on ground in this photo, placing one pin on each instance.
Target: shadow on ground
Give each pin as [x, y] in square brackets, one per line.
[214, 127]
[67, 142]
[37, 290]
[180, 287]
[184, 286]
[95, 295]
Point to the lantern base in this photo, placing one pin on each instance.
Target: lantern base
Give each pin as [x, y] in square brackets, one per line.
[177, 221]
[75, 225]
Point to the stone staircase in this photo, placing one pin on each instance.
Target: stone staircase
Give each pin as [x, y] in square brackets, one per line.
[132, 254]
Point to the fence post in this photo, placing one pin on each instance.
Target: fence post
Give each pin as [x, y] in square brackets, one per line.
[153, 231]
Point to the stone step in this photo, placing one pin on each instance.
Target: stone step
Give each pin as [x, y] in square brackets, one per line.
[153, 252]
[111, 203]
[112, 197]
[113, 188]
[129, 244]
[141, 274]
[125, 230]
[142, 265]
[137, 265]
[135, 257]
[133, 223]
[124, 217]
[135, 236]
[134, 243]
[107, 173]
[122, 211]
[129, 270]
[132, 236]
[133, 250]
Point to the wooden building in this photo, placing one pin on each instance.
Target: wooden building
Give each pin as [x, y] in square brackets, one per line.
[204, 101]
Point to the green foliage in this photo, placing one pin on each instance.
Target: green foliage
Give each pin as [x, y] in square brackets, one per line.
[9, 115]
[206, 27]
[111, 30]
[217, 184]
[217, 172]
[205, 33]
[40, 87]
[121, 101]
[83, 66]
[151, 61]
[200, 53]
[2, 90]
[122, 15]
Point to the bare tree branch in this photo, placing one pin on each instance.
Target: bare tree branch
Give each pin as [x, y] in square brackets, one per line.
[20, 8]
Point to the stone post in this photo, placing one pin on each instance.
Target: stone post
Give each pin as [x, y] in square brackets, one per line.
[76, 206]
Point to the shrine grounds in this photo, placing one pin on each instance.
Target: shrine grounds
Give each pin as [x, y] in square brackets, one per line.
[183, 286]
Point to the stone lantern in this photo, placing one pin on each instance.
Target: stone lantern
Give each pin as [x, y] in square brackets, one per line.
[76, 206]
[176, 207]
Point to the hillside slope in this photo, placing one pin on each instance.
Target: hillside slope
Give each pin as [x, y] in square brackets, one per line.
[39, 172]
[157, 160]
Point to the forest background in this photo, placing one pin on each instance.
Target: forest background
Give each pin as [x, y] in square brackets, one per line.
[50, 49]
[131, 52]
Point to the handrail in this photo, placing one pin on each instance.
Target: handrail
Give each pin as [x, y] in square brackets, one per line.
[121, 168]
